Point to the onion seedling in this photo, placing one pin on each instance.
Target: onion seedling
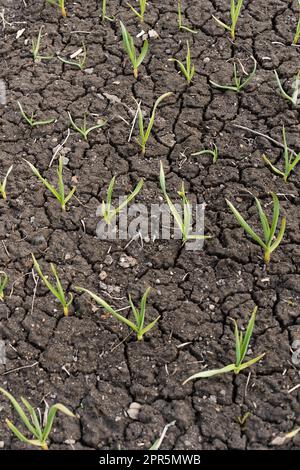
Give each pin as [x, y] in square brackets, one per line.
[84, 131]
[31, 119]
[36, 45]
[130, 49]
[235, 9]
[3, 283]
[140, 14]
[60, 4]
[184, 223]
[290, 160]
[294, 97]
[80, 63]
[146, 131]
[297, 34]
[110, 213]
[241, 349]
[238, 83]
[187, 70]
[4, 183]
[40, 431]
[214, 152]
[270, 242]
[60, 193]
[139, 314]
[180, 22]
[57, 290]
[104, 16]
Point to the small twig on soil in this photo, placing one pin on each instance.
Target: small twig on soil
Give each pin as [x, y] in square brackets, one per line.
[35, 280]
[59, 148]
[134, 119]
[5, 249]
[19, 368]
[15, 282]
[247, 384]
[294, 388]
[123, 341]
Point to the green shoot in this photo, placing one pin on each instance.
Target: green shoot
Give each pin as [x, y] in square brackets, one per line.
[39, 431]
[270, 242]
[104, 16]
[290, 160]
[238, 83]
[139, 314]
[294, 97]
[84, 131]
[3, 283]
[146, 131]
[130, 49]
[241, 348]
[235, 9]
[4, 183]
[140, 14]
[297, 34]
[60, 4]
[187, 70]
[31, 119]
[60, 193]
[80, 63]
[184, 223]
[214, 152]
[110, 213]
[180, 21]
[36, 45]
[57, 290]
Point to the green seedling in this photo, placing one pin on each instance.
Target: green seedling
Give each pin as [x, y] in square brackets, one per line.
[4, 183]
[241, 348]
[104, 15]
[239, 84]
[187, 69]
[214, 152]
[235, 10]
[80, 63]
[36, 45]
[270, 241]
[128, 43]
[290, 160]
[180, 21]
[60, 4]
[57, 290]
[60, 193]
[84, 131]
[140, 14]
[242, 420]
[33, 423]
[184, 223]
[110, 213]
[3, 283]
[139, 314]
[31, 119]
[294, 97]
[144, 132]
[297, 34]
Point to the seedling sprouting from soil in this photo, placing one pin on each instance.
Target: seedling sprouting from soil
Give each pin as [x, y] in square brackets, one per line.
[214, 152]
[139, 314]
[60, 193]
[84, 130]
[128, 43]
[80, 63]
[146, 131]
[104, 15]
[294, 97]
[241, 348]
[187, 69]
[140, 14]
[39, 431]
[110, 213]
[184, 223]
[235, 10]
[180, 21]
[4, 183]
[57, 290]
[290, 160]
[36, 45]
[3, 283]
[239, 84]
[297, 34]
[270, 241]
[60, 4]
[31, 119]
